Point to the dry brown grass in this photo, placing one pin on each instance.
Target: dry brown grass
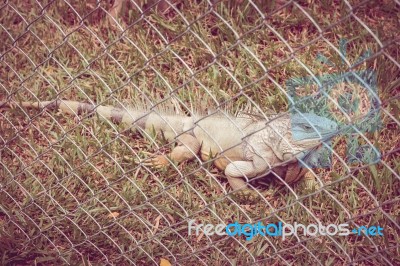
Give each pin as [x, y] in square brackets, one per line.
[70, 188]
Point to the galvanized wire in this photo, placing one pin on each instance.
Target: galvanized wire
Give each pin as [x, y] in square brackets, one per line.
[30, 228]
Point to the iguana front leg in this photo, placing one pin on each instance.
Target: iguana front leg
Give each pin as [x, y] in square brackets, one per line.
[290, 173]
[295, 172]
[237, 170]
[187, 148]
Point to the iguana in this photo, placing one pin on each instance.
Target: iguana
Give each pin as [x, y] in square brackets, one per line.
[242, 147]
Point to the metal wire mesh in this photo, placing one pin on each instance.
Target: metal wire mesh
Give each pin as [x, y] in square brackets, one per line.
[74, 189]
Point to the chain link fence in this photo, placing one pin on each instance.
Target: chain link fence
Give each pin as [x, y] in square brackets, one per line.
[75, 189]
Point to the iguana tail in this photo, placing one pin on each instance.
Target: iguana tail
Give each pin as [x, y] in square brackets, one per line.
[147, 120]
[116, 115]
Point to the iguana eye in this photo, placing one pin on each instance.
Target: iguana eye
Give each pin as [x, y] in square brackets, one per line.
[307, 127]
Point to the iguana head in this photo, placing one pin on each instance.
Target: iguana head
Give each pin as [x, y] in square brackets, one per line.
[307, 131]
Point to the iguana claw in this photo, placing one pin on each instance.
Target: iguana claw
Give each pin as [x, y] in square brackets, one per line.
[158, 161]
[310, 182]
[248, 195]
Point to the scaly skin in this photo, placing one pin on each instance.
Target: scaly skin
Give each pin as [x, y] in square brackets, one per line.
[241, 146]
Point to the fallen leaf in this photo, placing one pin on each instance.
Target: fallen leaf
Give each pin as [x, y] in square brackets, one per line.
[157, 220]
[164, 262]
[113, 215]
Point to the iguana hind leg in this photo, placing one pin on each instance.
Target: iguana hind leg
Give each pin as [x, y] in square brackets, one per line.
[187, 148]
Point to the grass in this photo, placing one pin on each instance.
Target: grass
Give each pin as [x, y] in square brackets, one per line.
[71, 190]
